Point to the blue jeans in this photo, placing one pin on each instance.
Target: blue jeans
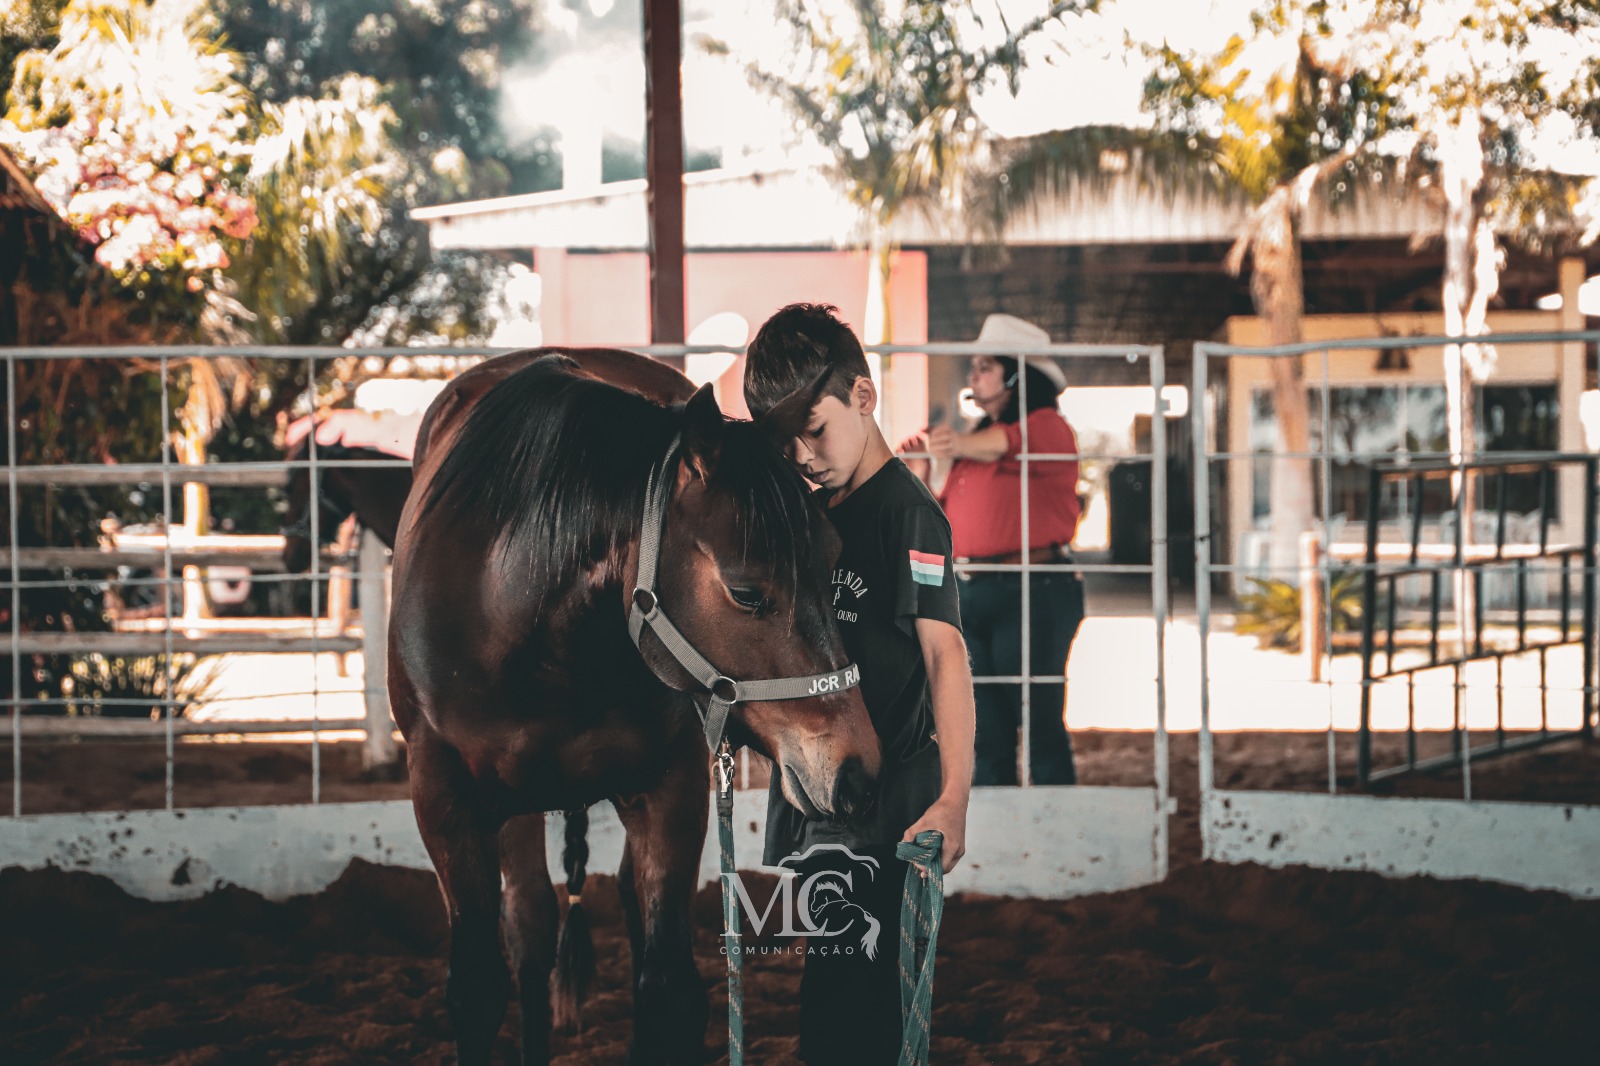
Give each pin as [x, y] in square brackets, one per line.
[991, 618]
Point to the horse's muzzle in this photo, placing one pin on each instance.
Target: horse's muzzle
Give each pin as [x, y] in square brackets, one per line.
[854, 789]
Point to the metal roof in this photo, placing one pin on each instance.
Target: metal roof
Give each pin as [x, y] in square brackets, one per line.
[802, 208]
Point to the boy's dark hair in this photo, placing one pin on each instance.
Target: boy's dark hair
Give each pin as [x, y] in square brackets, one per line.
[792, 347]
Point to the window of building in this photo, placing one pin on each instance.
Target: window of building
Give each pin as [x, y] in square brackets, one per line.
[1368, 423]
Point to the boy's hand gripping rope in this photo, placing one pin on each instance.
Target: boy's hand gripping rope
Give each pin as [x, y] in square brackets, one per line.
[920, 913]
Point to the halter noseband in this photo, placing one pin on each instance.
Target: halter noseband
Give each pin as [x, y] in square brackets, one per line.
[722, 691]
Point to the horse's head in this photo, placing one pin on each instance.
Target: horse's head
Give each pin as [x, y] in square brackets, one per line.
[331, 501]
[744, 571]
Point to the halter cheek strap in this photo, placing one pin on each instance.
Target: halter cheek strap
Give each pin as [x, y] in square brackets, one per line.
[722, 691]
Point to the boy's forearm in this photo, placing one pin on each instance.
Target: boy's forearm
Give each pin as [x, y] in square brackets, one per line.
[954, 718]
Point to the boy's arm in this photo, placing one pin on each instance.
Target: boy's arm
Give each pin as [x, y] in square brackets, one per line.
[954, 718]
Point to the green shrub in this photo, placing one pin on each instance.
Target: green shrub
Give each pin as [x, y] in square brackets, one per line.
[1271, 612]
[94, 679]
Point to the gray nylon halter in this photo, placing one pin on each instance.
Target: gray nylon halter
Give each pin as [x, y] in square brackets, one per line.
[722, 691]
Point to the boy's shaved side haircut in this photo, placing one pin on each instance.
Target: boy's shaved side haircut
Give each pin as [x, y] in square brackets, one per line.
[793, 347]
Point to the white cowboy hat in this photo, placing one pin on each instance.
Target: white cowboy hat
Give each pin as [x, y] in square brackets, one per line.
[1009, 331]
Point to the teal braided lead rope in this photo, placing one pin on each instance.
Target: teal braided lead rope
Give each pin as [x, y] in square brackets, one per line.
[731, 939]
[920, 914]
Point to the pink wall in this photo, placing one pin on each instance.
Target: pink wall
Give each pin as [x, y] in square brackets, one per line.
[604, 299]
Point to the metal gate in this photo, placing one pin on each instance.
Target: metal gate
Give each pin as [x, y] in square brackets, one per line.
[1403, 572]
[1036, 841]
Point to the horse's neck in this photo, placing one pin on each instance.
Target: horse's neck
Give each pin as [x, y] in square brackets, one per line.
[378, 499]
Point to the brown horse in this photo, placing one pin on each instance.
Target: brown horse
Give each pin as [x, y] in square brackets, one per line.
[377, 494]
[519, 690]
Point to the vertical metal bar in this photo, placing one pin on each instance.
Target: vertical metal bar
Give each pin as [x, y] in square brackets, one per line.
[1546, 474]
[1591, 467]
[1325, 568]
[1544, 691]
[1416, 516]
[1477, 610]
[1389, 623]
[1500, 702]
[314, 508]
[1463, 739]
[1461, 520]
[1522, 605]
[1411, 719]
[1566, 597]
[1435, 607]
[16, 586]
[1369, 608]
[1202, 580]
[1500, 515]
[1025, 576]
[166, 571]
[1158, 595]
[663, 47]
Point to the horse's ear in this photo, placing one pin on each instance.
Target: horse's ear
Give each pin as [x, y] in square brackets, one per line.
[703, 424]
[786, 419]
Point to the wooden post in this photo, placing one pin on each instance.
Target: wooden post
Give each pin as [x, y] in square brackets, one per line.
[379, 748]
[1313, 613]
[340, 588]
[663, 93]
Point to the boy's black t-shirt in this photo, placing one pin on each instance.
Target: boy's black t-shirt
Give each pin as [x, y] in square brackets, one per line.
[894, 567]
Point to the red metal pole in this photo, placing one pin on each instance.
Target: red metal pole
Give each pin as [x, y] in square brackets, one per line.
[663, 57]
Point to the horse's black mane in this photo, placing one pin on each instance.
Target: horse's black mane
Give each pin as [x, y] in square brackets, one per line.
[557, 465]
[776, 511]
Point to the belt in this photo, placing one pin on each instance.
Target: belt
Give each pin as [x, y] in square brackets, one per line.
[1049, 553]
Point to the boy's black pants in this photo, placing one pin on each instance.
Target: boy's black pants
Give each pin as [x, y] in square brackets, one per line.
[849, 1003]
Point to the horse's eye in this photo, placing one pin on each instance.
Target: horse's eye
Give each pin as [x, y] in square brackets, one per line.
[750, 599]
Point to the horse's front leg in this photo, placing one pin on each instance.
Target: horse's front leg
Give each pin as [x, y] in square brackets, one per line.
[666, 830]
[460, 838]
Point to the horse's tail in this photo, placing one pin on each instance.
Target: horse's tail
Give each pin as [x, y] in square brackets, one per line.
[575, 964]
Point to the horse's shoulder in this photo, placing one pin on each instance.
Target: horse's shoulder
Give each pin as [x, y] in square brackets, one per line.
[639, 374]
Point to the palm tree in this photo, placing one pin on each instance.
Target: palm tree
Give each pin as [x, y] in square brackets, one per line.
[322, 170]
[1272, 119]
[888, 88]
[141, 134]
[1477, 82]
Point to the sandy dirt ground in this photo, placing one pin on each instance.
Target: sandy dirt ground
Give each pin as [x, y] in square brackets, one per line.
[1217, 964]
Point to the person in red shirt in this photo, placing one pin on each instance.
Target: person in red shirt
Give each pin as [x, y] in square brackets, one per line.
[983, 499]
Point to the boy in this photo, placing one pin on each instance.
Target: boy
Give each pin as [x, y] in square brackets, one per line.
[894, 595]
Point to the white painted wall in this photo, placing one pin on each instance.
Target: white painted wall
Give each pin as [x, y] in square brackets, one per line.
[1532, 845]
[1040, 842]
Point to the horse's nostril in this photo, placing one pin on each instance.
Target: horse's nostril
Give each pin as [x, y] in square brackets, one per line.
[854, 789]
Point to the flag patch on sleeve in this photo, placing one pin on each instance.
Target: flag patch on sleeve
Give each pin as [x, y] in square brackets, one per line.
[927, 568]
